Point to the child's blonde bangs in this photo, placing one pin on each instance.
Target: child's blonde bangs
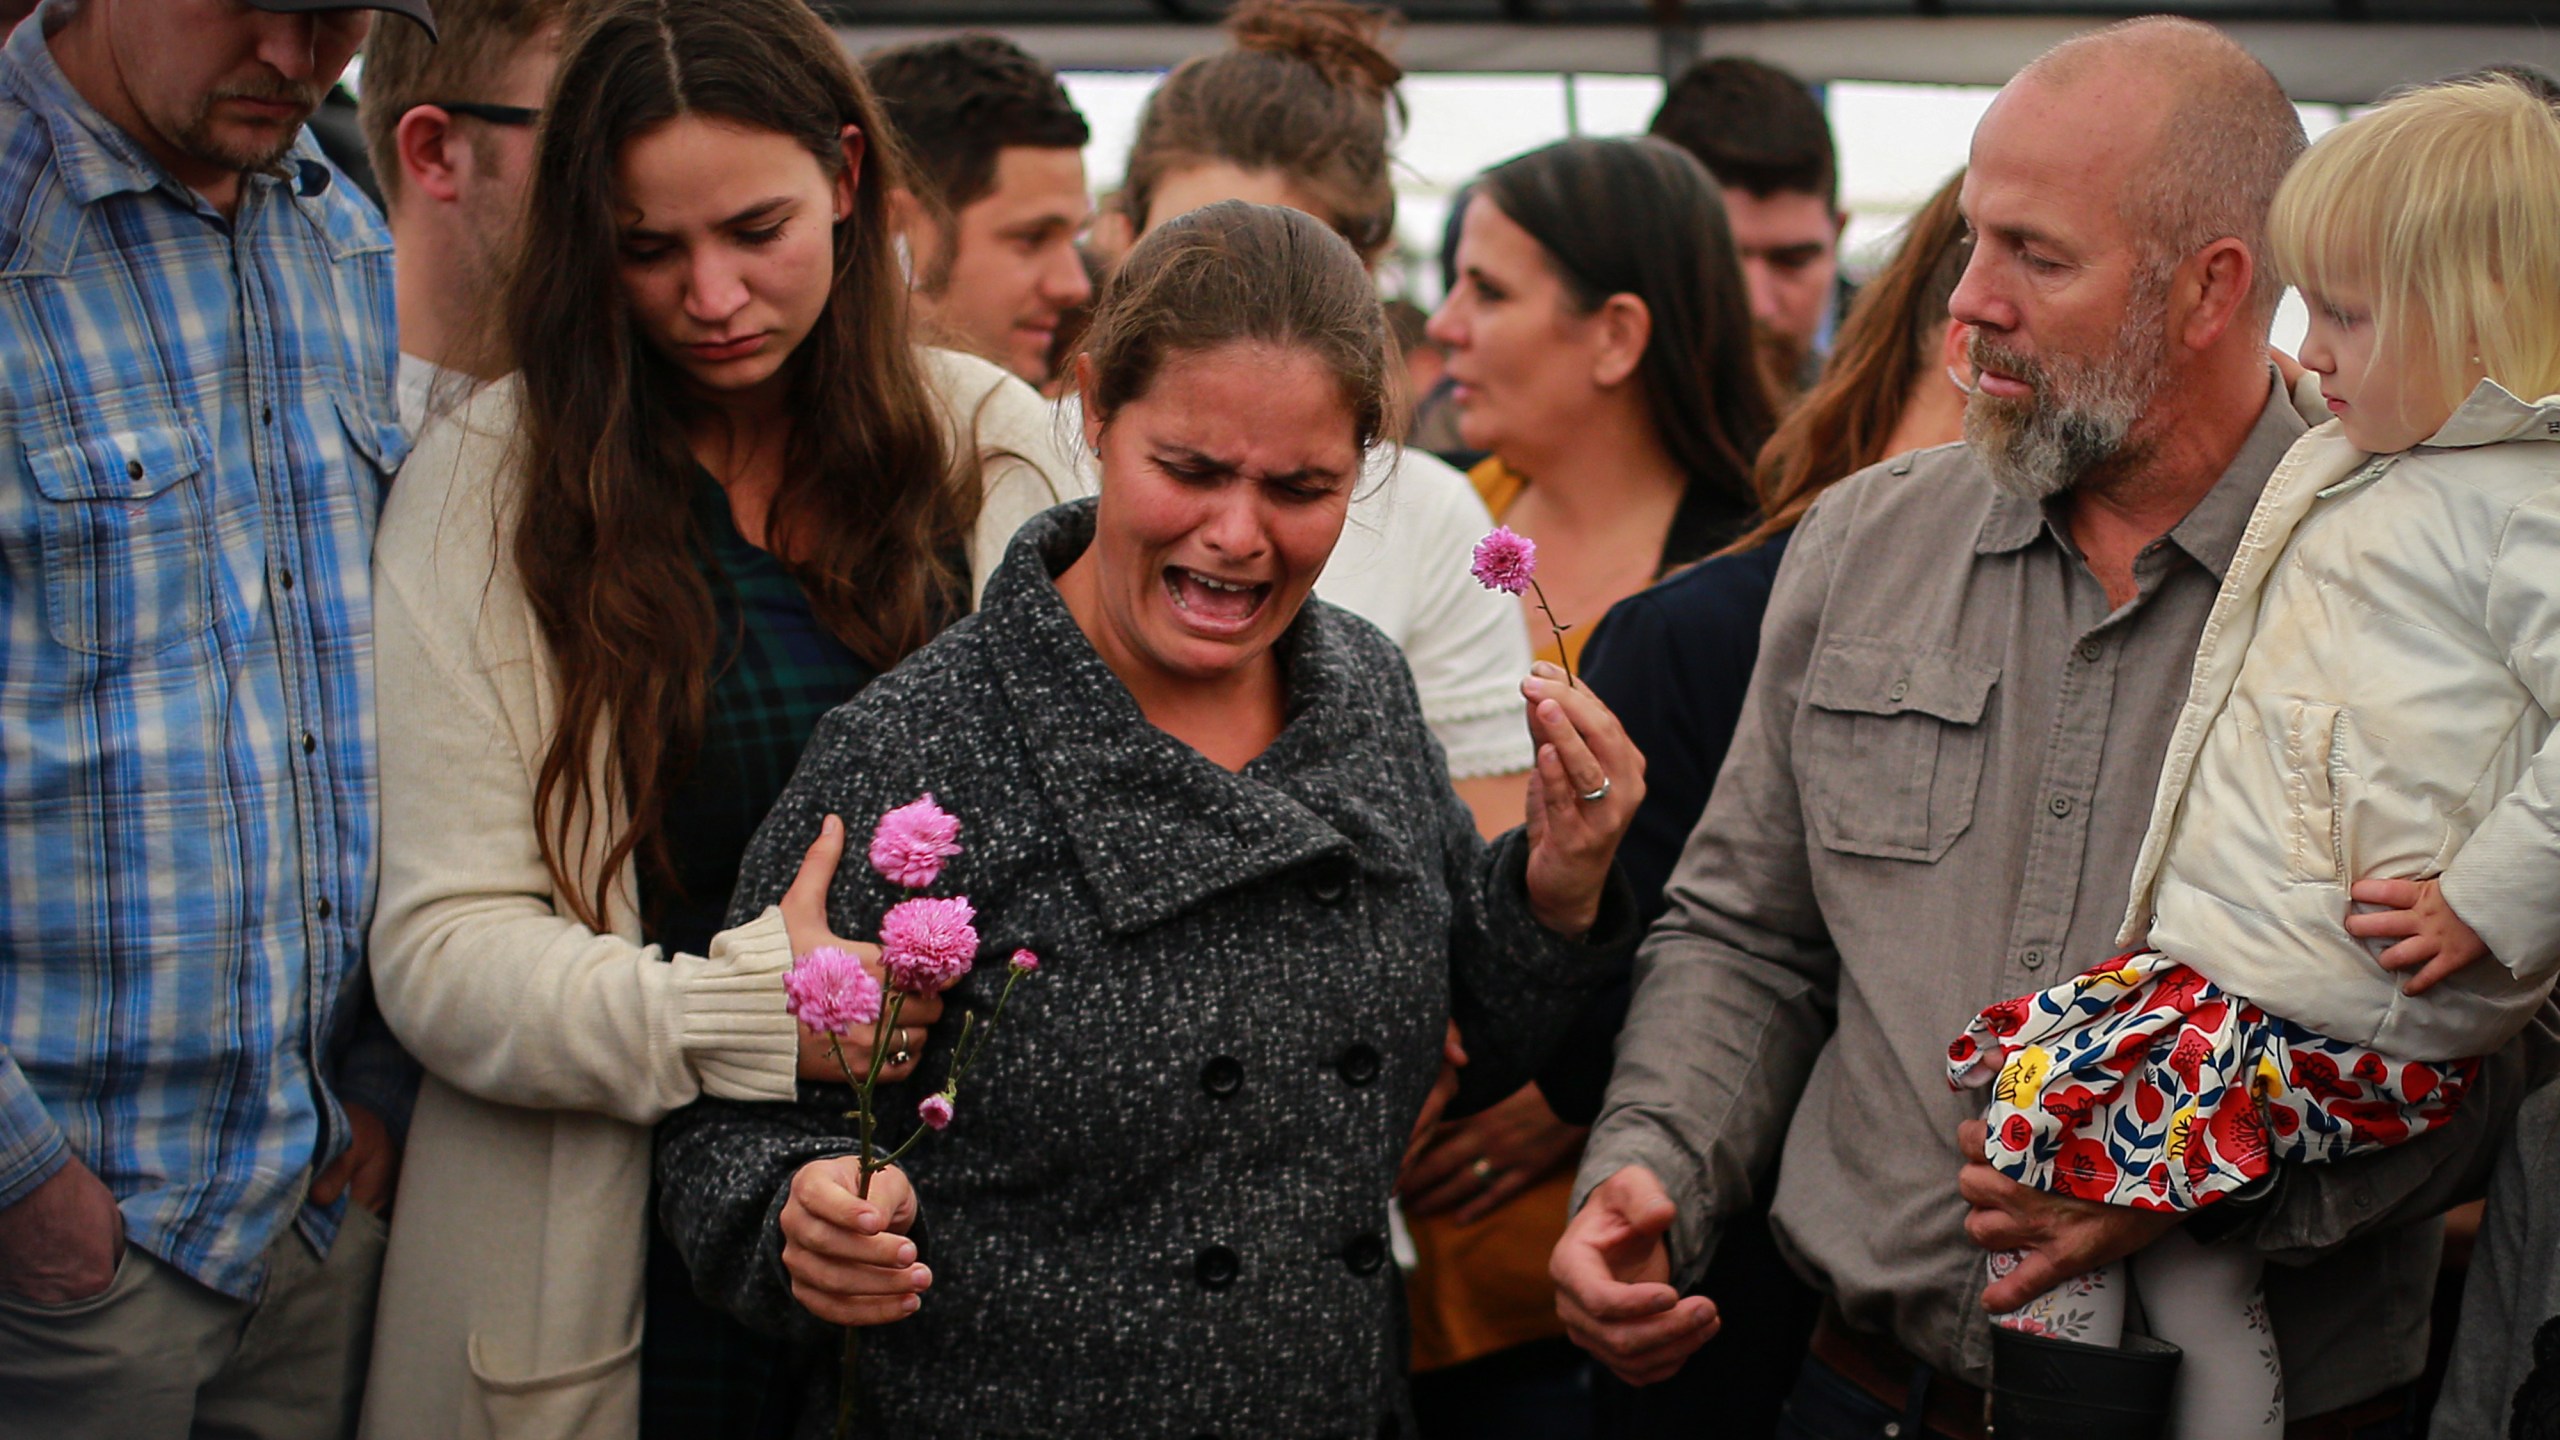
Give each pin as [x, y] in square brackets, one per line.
[2442, 208]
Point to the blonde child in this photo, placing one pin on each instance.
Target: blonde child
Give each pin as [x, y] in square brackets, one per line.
[2362, 796]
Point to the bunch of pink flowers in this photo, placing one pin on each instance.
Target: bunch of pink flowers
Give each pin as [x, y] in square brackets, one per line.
[927, 944]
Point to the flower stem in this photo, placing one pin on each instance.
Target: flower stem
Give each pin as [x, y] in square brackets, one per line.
[1557, 627]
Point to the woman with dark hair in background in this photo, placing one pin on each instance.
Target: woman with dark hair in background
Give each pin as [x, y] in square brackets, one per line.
[1211, 807]
[1301, 110]
[613, 594]
[1600, 343]
[1675, 660]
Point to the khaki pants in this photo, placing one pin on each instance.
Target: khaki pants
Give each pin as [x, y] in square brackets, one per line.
[157, 1356]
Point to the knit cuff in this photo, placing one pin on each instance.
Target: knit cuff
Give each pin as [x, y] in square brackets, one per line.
[741, 1040]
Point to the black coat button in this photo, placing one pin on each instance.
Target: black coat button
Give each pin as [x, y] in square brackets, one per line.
[1366, 1254]
[1222, 1077]
[1357, 1064]
[1331, 883]
[1216, 1268]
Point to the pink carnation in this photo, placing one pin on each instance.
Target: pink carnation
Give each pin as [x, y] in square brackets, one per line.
[926, 944]
[1505, 561]
[934, 1111]
[1024, 962]
[912, 842]
[829, 990]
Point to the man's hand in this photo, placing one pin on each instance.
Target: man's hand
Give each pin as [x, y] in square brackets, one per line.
[2061, 1237]
[368, 1170]
[60, 1243]
[849, 1258]
[1613, 1282]
[2430, 934]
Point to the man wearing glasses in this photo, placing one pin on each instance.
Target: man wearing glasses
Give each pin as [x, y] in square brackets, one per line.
[450, 126]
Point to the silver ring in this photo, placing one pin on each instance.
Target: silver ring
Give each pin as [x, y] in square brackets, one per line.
[1596, 796]
[902, 1056]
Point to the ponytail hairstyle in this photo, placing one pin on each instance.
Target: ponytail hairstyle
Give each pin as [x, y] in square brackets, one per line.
[871, 501]
[1307, 91]
[1643, 218]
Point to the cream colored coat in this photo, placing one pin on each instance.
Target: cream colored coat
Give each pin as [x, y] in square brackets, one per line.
[2374, 697]
[511, 1297]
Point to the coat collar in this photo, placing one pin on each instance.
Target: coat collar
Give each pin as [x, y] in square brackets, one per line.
[2492, 413]
[1158, 827]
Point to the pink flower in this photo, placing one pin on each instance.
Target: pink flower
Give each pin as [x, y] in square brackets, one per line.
[927, 944]
[1506, 561]
[934, 1111]
[1024, 962]
[830, 991]
[912, 842]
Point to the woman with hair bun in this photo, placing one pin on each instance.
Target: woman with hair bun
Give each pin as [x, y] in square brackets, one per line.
[1301, 110]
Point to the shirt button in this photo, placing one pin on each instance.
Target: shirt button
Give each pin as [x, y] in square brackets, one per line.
[1216, 1268]
[133, 468]
[309, 742]
[1357, 1064]
[324, 907]
[285, 578]
[1366, 1255]
[2060, 805]
[1900, 689]
[2033, 959]
[266, 414]
[2090, 650]
[1222, 1077]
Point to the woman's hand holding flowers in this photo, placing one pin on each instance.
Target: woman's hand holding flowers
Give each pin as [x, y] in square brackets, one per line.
[1583, 794]
[849, 1258]
[804, 919]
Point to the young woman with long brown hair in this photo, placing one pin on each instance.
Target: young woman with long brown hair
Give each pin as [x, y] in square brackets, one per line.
[722, 492]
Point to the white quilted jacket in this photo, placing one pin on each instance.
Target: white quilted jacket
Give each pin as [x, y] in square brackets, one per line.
[2374, 696]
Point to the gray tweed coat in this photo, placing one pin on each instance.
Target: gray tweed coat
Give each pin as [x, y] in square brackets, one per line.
[1162, 1209]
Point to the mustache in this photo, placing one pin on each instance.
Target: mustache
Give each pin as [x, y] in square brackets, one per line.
[273, 89]
[1988, 354]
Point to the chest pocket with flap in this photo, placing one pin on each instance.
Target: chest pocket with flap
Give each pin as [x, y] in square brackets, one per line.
[1890, 742]
[127, 536]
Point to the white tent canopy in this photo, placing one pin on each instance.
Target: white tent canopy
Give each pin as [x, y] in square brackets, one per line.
[2316, 56]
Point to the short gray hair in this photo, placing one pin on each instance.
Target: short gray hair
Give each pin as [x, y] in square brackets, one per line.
[2230, 135]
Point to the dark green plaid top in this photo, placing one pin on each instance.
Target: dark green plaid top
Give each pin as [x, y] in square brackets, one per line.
[777, 671]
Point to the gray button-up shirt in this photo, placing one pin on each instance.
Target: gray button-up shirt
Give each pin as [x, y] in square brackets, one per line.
[1933, 802]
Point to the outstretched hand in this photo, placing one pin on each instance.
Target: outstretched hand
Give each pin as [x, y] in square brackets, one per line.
[2416, 915]
[804, 919]
[1613, 1282]
[1583, 794]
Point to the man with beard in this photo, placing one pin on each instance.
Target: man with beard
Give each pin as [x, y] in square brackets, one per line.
[197, 1108]
[449, 122]
[1968, 675]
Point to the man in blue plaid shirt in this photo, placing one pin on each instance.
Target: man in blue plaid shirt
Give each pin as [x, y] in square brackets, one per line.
[197, 1107]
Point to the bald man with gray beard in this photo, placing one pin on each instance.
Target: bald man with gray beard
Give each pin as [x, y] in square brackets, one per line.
[1969, 671]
